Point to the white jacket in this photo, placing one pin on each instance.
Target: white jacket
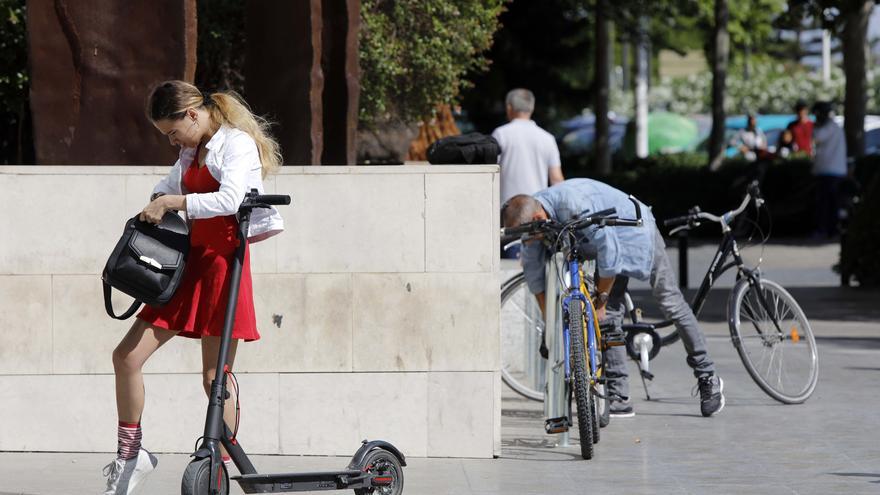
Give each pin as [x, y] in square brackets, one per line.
[233, 160]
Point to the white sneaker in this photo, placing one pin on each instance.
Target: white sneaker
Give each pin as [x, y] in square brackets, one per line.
[124, 476]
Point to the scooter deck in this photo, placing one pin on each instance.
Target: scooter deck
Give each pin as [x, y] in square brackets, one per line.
[301, 482]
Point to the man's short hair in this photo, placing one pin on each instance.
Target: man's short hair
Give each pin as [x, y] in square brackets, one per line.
[800, 105]
[521, 100]
[519, 209]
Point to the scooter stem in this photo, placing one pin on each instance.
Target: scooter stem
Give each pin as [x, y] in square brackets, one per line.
[214, 425]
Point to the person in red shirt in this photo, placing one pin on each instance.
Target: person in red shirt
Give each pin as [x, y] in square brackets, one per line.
[802, 128]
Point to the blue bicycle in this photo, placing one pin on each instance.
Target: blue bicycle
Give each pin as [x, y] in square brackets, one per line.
[583, 341]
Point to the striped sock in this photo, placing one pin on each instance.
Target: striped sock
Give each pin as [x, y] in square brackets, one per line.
[129, 443]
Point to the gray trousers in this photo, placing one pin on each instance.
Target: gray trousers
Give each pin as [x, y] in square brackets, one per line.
[664, 286]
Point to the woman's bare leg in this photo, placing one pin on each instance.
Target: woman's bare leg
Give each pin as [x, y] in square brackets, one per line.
[141, 341]
[210, 351]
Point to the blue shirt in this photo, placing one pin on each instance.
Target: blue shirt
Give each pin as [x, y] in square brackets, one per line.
[627, 251]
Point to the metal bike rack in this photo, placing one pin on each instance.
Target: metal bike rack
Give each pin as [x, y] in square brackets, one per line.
[554, 390]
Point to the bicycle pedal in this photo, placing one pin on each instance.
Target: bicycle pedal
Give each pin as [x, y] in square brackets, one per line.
[557, 425]
[613, 338]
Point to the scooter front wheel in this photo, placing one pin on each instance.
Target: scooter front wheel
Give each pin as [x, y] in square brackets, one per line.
[197, 479]
[387, 473]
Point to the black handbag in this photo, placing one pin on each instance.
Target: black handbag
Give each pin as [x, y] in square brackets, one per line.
[472, 148]
[147, 262]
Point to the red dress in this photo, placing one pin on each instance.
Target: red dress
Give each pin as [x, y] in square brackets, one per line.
[199, 305]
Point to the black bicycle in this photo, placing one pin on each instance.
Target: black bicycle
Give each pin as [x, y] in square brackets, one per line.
[768, 328]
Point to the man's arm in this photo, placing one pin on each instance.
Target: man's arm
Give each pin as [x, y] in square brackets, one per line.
[603, 289]
[556, 175]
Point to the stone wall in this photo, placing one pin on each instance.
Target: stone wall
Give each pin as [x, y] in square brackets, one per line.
[378, 308]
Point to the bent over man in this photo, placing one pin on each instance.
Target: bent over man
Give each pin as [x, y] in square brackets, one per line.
[620, 253]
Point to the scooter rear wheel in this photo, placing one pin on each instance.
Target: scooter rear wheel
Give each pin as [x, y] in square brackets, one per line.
[382, 464]
[197, 478]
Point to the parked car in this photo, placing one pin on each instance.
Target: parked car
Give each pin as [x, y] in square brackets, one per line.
[667, 133]
[579, 133]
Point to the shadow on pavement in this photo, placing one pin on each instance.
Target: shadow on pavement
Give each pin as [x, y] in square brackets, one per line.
[860, 475]
[850, 343]
[819, 303]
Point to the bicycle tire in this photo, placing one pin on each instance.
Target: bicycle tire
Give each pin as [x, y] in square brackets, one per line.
[665, 340]
[602, 408]
[756, 327]
[510, 331]
[580, 380]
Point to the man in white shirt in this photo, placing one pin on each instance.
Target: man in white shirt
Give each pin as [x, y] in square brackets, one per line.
[529, 156]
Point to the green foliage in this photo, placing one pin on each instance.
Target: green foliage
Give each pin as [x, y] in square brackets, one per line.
[221, 45]
[859, 254]
[671, 184]
[415, 54]
[771, 88]
[14, 83]
[545, 46]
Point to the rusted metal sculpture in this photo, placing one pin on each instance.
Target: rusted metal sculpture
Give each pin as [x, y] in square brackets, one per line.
[341, 80]
[92, 63]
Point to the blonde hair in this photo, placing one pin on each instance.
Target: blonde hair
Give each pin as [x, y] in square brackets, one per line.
[171, 100]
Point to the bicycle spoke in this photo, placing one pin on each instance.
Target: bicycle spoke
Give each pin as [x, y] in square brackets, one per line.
[522, 311]
[785, 364]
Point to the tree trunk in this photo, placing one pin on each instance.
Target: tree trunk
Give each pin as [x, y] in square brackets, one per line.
[720, 56]
[641, 89]
[602, 152]
[854, 39]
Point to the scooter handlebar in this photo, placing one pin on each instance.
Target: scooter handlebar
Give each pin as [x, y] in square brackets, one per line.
[273, 199]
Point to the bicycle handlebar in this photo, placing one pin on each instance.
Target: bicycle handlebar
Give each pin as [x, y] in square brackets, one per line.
[694, 216]
[677, 221]
[536, 227]
[603, 218]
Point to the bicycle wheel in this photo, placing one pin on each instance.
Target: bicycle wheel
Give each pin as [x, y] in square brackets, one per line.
[580, 379]
[522, 326]
[774, 340]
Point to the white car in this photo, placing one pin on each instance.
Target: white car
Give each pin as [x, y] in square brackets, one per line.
[872, 133]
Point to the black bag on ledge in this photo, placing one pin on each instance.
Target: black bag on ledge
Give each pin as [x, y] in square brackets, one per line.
[472, 148]
[147, 262]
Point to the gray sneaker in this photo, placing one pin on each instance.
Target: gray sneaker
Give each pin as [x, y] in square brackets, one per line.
[619, 408]
[126, 477]
[711, 395]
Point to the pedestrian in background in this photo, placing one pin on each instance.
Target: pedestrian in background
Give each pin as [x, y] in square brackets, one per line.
[750, 141]
[829, 170]
[802, 128]
[529, 156]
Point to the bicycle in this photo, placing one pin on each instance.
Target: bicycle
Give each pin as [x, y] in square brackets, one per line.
[770, 331]
[582, 339]
[767, 326]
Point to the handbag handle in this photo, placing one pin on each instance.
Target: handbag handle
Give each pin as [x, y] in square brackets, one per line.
[108, 305]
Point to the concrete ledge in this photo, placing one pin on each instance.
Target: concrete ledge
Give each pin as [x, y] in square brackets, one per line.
[423, 414]
[378, 310]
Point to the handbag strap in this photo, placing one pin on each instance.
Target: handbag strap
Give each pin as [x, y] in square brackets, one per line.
[108, 305]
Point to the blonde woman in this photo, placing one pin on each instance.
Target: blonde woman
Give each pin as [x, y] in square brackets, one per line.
[225, 150]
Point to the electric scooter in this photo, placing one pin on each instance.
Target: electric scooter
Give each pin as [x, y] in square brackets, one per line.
[376, 467]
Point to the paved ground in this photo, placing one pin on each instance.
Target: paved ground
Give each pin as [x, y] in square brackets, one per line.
[830, 444]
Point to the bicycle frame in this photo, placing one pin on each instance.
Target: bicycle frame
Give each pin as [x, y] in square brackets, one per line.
[727, 248]
[574, 293]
